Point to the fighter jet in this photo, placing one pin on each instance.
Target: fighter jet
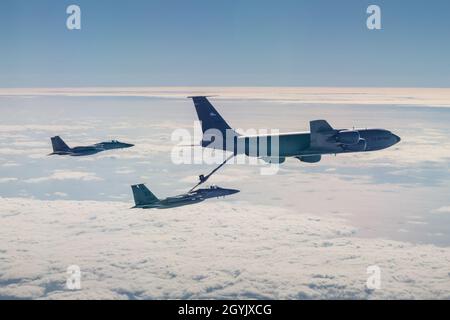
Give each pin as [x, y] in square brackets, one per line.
[62, 149]
[307, 147]
[144, 199]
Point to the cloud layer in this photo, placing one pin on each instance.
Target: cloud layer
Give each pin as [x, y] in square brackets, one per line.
[60, 175]
[213, 250]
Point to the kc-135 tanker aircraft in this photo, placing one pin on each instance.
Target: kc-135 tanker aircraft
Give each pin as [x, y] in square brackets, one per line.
[304, 146]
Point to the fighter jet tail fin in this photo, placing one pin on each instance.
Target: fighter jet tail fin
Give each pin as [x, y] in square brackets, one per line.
[142, 195]
[59, 145]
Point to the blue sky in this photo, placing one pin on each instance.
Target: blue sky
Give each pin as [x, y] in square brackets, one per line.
[224, 43]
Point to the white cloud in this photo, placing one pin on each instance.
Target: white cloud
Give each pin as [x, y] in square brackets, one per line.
[6, 128]
[10, 164]
[66, 175]
[26, 144]
[6, 180]
[125, 170]
[216, 249]
[34, 153]
[443, 210]
[60, 194]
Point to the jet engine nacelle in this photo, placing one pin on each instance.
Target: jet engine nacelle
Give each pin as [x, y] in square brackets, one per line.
[348, 137]
[360, 146]
[310, 159]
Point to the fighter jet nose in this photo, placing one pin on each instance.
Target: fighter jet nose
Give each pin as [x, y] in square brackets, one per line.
[129, 145]
[397, 138]
[233, 191]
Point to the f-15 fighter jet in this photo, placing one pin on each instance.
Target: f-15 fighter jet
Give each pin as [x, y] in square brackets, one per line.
[62, 149]
[145, 199]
